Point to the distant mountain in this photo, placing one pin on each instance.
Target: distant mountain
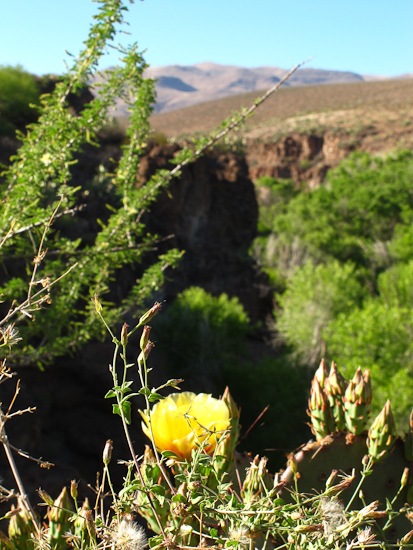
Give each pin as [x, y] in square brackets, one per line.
[181, 86]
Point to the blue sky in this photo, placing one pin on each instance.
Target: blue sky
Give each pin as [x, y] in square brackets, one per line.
[366, 36]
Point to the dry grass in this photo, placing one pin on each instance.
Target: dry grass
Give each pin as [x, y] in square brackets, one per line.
[380, 104]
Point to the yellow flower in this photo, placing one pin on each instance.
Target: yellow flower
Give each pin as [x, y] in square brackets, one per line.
[185, 421]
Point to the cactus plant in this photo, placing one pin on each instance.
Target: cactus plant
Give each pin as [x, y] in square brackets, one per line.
[372, 455]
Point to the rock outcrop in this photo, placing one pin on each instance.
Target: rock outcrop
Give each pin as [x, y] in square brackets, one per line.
[211, 213]
[303, 157]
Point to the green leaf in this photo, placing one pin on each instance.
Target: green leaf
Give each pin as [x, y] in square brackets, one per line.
[123, 410]
[178, 498]
[155, 397]
[169, 454]
[158, 490]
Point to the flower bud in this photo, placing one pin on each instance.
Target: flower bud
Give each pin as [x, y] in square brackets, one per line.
[98, 305]
[61, 509]
[145, 337]
[107, 452]
[382, 433]
[21, 525]
[146, 317]
[143, 356]
[124, 334]
[404, 478]
[319, 410]
[59, 518]
[73, 489]
[321, 374]
[334, 388]
[357, 401]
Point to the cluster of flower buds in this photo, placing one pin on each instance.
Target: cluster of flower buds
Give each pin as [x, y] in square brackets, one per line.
[21, 529]
[337, 406]
[257, 480]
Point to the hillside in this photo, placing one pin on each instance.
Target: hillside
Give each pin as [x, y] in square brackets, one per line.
[386, 107]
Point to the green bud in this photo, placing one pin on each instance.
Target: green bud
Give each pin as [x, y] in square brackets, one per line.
[334, 388]
[21, 527]
[405, 478]
[382, 433]
[80, 525]
[145, 337]
[98, 305]
[124, 334]
[143, 356]
[319, 411]
[321, 374]
[226, 445]
[73, 489]
[357, 399]
[59, 515]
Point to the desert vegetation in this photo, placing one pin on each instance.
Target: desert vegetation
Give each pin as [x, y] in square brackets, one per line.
[339, 260]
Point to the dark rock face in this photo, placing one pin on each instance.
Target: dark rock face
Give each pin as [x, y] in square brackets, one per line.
[211, 211]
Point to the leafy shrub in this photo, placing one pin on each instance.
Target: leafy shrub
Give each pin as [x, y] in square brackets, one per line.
[395, 285]
[19, 92]
[273, 198]
[201, 332]
[313, 299]
[380, 337]
[358, 206]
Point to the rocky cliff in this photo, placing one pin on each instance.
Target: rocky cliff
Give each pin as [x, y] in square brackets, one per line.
[211, 212]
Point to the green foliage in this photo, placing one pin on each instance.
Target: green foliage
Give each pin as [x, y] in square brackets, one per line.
[39, 246]
[273, 198]
[315, 295]
[340, 257]
[354, 211]
[379, 335]
[19, 94]
[201, 332]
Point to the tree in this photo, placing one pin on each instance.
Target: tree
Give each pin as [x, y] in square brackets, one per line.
[314, 297]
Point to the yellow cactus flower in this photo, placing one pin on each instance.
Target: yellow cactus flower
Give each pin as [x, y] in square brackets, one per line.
[186, 421]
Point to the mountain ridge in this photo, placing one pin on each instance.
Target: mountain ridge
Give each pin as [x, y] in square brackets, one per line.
[180, 86]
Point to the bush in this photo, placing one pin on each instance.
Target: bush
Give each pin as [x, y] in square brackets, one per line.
[19, 93]
[200, 333]
[379, 336]
[354, 211]
[313, 299]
